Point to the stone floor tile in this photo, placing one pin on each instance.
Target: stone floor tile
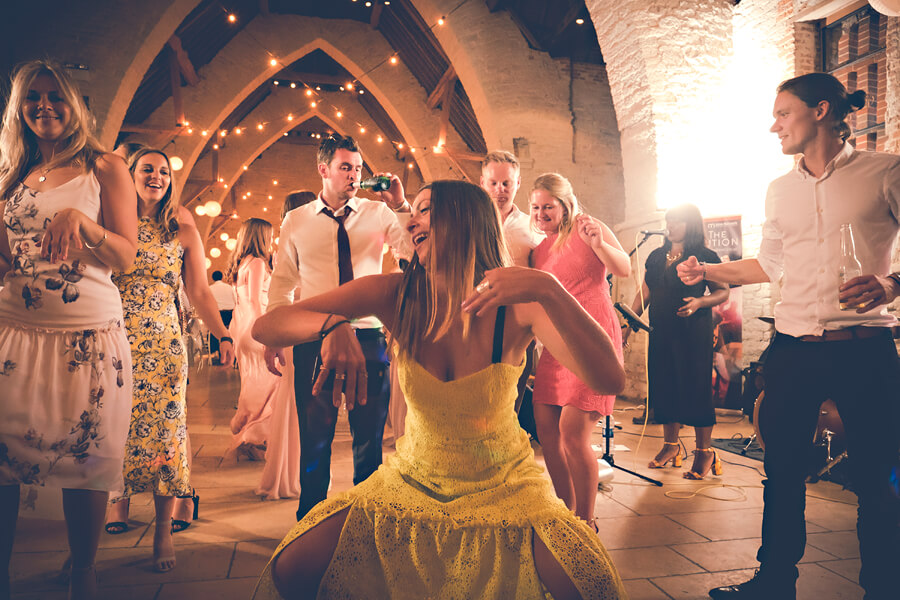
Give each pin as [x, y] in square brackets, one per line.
[641, 563]
[195, 562]
[841, 544]
[817, 583]
[219, 589]
[728, 555]
[250, 558]
[696, 586]
[643, 589]
[848, 567]
[638, 532]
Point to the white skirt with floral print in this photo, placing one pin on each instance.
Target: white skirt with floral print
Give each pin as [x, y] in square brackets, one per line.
[65, 405]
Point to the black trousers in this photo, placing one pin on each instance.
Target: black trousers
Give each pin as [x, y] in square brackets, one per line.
[862, 377]
[226, 320]
[317, 417]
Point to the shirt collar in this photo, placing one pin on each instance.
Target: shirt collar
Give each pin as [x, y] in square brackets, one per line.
[352, 204]
[840, 159]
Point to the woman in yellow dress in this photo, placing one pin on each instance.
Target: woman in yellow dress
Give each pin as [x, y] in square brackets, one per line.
[462, 510]
[169, 250]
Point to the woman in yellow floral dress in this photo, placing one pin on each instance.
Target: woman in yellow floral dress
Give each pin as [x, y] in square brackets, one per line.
[462, 510]
[169, 249]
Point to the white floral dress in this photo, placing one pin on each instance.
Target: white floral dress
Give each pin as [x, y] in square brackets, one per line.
[65, 364]
[156, 452]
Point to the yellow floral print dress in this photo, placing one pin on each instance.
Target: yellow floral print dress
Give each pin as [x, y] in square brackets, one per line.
[156, 450]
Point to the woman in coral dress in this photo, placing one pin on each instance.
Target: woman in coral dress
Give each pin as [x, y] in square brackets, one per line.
[249, 271]
[462, 510]
[579, 250]
[65, 364]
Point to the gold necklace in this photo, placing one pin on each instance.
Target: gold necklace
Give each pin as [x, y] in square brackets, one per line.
[673, 257]
[44, 172]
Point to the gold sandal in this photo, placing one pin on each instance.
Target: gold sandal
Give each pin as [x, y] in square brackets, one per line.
[715, 465]
[676, 459]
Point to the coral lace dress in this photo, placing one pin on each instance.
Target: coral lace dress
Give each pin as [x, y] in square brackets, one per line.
[584, 276]
[453, 513]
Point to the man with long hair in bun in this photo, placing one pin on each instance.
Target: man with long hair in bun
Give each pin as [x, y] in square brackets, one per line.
[821, 350]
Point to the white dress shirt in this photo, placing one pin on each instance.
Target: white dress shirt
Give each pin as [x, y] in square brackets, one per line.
[308, 252]
[802, 237]
[521, 238]
[224, 295]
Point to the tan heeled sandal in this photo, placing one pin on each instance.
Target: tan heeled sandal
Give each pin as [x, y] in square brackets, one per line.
[715, 465]
[676, 459]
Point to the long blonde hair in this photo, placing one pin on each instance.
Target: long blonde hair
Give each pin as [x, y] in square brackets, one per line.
[19, 152]
[253, 239]
[559, 187]
[167, 214]
[466, 241]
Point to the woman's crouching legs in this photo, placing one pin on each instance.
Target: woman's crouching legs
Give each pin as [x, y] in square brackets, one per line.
[297, 571]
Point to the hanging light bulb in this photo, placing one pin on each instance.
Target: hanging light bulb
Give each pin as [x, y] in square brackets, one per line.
[213, 208]
[177, 163]
[200, 210]
[232, 18]
[215, 252]
[231, 244]
[208, 263]
[224, 236]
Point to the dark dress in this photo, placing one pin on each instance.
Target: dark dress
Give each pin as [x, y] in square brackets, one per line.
[681, 353]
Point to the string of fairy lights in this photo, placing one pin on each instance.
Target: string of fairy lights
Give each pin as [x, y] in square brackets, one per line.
[313, 97]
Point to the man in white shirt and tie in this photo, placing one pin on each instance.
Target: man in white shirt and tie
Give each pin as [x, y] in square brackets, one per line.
[323, 244]
[820, 351]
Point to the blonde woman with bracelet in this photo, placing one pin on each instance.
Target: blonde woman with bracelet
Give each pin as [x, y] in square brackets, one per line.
[157, 457]
[65, 364]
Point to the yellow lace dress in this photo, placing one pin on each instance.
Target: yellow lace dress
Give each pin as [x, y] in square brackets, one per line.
[453, 512]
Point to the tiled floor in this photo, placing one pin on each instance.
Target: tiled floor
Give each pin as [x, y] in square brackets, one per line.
[675, 541]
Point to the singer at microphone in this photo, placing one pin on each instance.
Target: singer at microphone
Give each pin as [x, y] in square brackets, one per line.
[655, 231]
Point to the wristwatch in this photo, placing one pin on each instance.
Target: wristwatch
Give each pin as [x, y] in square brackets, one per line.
[895, 277]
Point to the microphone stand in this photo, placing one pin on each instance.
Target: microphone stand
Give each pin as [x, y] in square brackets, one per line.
[636, 325]
[644, 239]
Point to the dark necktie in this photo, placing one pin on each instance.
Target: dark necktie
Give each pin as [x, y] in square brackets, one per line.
[345, 265]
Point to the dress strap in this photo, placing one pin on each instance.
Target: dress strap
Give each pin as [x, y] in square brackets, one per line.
[497, 354]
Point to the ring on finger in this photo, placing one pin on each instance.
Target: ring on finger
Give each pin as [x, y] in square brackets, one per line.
[482, 287]
[340, 376]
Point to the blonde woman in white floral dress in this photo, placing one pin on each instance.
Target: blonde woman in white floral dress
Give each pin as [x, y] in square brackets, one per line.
[169, 248]
[65, 364]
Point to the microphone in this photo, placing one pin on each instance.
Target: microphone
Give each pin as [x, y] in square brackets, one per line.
[655, 231]
[631, 318]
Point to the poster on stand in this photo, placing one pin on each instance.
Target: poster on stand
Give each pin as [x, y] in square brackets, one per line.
[723, 236]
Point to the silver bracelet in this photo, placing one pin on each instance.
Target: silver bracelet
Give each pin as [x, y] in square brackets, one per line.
[98, 244]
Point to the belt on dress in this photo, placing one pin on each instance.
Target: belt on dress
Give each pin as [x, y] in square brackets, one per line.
[857, 332]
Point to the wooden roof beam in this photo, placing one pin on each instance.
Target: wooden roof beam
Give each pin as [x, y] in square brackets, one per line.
[185, 66]
[448, 79]
[376, 15]
[495, 5]
[567, 20]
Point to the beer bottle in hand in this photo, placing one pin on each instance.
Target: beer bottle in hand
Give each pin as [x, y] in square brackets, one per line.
[849, 265]
[376, 184]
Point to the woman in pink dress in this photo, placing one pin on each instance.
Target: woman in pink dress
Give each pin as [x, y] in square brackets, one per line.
[249, 271]
[578, 251]
[281, 475]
